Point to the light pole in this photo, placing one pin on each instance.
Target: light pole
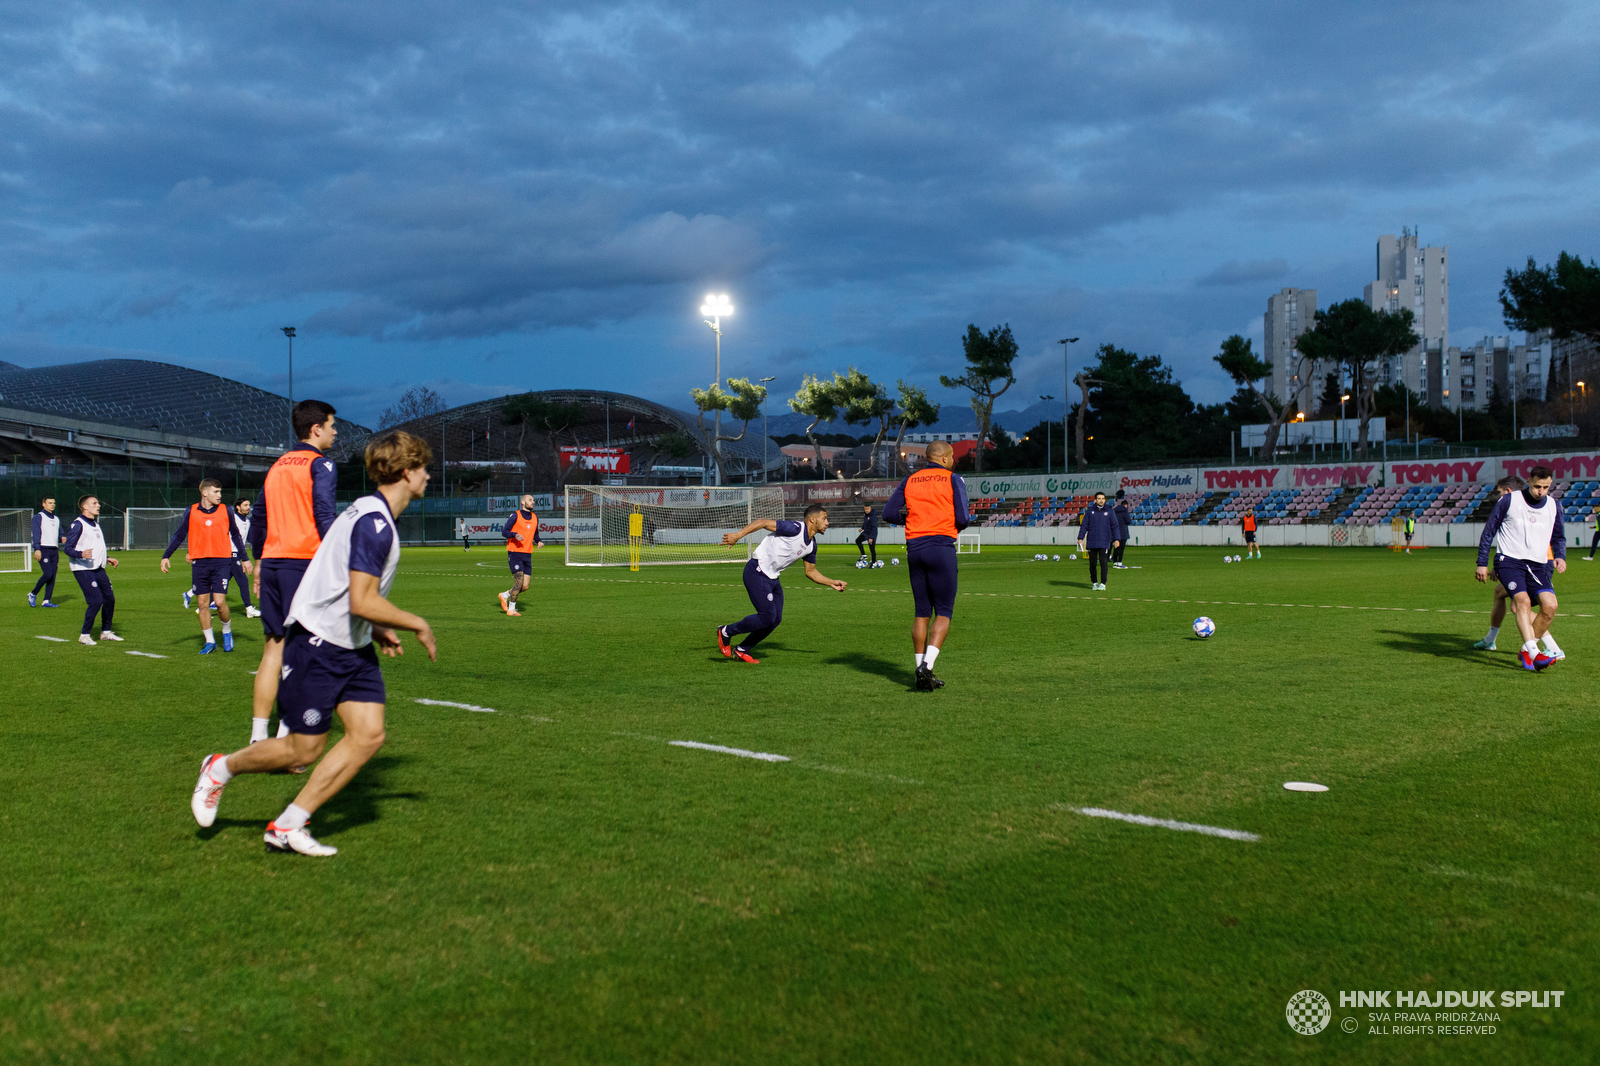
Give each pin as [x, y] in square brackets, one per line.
[1066, 400]
[1047, 399]
[288, 331]
[715, 307]
[766, 441]
[1343, 396]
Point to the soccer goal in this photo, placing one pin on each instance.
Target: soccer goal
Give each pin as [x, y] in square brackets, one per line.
[968, 544]
[149, 527]
[652, 527]
[16, 540]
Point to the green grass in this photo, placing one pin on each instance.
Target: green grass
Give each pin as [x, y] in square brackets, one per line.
[555, 883]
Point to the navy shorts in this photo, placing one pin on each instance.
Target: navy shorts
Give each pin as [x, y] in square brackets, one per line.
[210, 575]
[1518, 576]
[933, 578]
[280, 579]
[318, 675]
[1250, 537]
[521, 562]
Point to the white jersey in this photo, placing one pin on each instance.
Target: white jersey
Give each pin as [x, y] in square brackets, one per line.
[242, 524]
[362, 538]
[49, 530]
[787, 545]
[90, 541]
[1519, 530]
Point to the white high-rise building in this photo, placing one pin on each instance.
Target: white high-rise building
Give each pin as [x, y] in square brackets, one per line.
[1290, 313]
[1418, 279]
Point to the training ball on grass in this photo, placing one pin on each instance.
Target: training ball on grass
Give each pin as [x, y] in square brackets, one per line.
[1204, 627]
[1073, 557]
[1057, 558]
[895, 561]
[1238, 558]
[1227, 558]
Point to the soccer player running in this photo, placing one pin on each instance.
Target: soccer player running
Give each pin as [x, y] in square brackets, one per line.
[787, 542]
[1097, 536]
[1247, 526]
[1497, 612]
[869, 534]
[1120, 511]
[932, 505]
[1529, 527]
[86, 555]
[339, 618]
[522, 537]
[47, 542]
[292, 512]
[213, 542]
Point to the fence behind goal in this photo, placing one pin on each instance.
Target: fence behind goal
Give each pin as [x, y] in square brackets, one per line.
[149, 527]
[673, 525]
[16, 540]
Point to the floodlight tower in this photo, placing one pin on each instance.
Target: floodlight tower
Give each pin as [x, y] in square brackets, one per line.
[714, 308]
[288, 331]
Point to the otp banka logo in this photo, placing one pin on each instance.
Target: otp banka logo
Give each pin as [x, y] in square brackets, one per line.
[1309, 1012]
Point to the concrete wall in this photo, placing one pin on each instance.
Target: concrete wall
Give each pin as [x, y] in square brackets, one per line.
[1434, 536]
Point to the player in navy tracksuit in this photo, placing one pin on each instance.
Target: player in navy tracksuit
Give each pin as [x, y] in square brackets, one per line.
[47, 540]
[1121, 512]
[1098, 534]
[869, 533]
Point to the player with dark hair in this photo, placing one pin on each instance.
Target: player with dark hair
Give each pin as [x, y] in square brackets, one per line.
[214, 543]
[787, 542]
[869, 534]
[1120, 512]
[932, 505]
[85, 550]
[1097, 537]
[47, 541]
[293, 510]
[1497, 610]
[339, 619]
[522, 537]
[1247, 527]
[1410, 527]
[1526, 530]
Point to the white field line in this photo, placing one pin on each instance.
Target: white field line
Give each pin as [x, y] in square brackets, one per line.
[147, 654]
[764, 756]
[463, 706]
[1513, 882]
[1161, 823]
[58, 640]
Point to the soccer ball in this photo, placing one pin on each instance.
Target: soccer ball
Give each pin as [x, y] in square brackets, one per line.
[861, 564]
[877, 565]
[1227, 558]
[895, 560]
[1057, 558]
[1238, 558]
[1204, 627]
[1073, 557]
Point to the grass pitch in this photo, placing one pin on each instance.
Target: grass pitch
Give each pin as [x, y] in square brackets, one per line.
[555, 882]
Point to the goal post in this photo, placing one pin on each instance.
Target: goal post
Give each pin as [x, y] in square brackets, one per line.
[605, 526]
[149, 527]
[16, 540]
[968, 544]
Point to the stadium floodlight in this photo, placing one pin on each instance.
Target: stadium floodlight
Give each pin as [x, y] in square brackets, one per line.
[1047, 399]
[715, 307]
[288, 331]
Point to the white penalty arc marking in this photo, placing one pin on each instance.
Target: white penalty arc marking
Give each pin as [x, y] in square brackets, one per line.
[1166, 823]
[147, 654]
[463, 706]
[764, 756]
[58, 640]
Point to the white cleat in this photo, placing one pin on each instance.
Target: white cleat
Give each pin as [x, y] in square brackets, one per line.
[106, 634]
[251, 612]
[296, 840]
[84, 638]
[206, 793]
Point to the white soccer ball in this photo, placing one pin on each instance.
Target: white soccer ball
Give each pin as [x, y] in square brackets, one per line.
[1073, 557]
[1204, 627]
[895, 560]
[877, 565]
[1227, 558]
[1057, 558]
[1238, 558]
[861, 564]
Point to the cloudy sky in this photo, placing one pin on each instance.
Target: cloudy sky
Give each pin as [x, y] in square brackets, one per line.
[490, 197]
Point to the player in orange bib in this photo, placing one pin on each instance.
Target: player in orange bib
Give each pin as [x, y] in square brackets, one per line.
[522, 537]
[213, 543]
[932, 505]
[1247, 526]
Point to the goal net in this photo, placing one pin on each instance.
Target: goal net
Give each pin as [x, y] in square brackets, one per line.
[149, 527]
[652, 527]
[16, 540]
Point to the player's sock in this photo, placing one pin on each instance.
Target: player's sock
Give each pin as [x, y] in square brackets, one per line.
[227, 627]
[920, 658]
[293, 817]
[283, 729]
[1494, 631]
[219, 771]
[209, 635]
[1551, 646]
[929, 656]
[258, 729]
[1531, 647]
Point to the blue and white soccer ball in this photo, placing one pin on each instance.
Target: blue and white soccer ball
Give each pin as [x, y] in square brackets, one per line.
[895, 560]
[1056, 558]
[1073, 557]
[1204, 627]
[1238, 558]
[861, 564]
[1227, 558]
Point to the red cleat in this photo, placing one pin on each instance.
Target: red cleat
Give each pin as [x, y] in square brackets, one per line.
[723, 644]
[1535, 662]
[745, 657]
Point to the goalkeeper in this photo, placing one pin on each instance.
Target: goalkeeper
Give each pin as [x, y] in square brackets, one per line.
[785, 543]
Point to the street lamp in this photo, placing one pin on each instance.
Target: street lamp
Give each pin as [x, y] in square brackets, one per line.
[288, 331]
[714, 308]
[1066, 400]
[1342, 398]
[1047, 399]
[765, 440]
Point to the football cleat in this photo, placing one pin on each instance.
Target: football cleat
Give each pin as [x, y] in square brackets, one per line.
[227, 642]
[1556, 656]
[188, 598]
[206, 793]
[251, 612]
[934, 682]
[205, 649]
[1534, 662]
[84, 638]
[924, 682]
[513, 612]
[296, 840]
[723, 644]
[1483, 645]
[745, 657]
[33, 600]
[47, 603]
[106, 634]
[505, 599]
